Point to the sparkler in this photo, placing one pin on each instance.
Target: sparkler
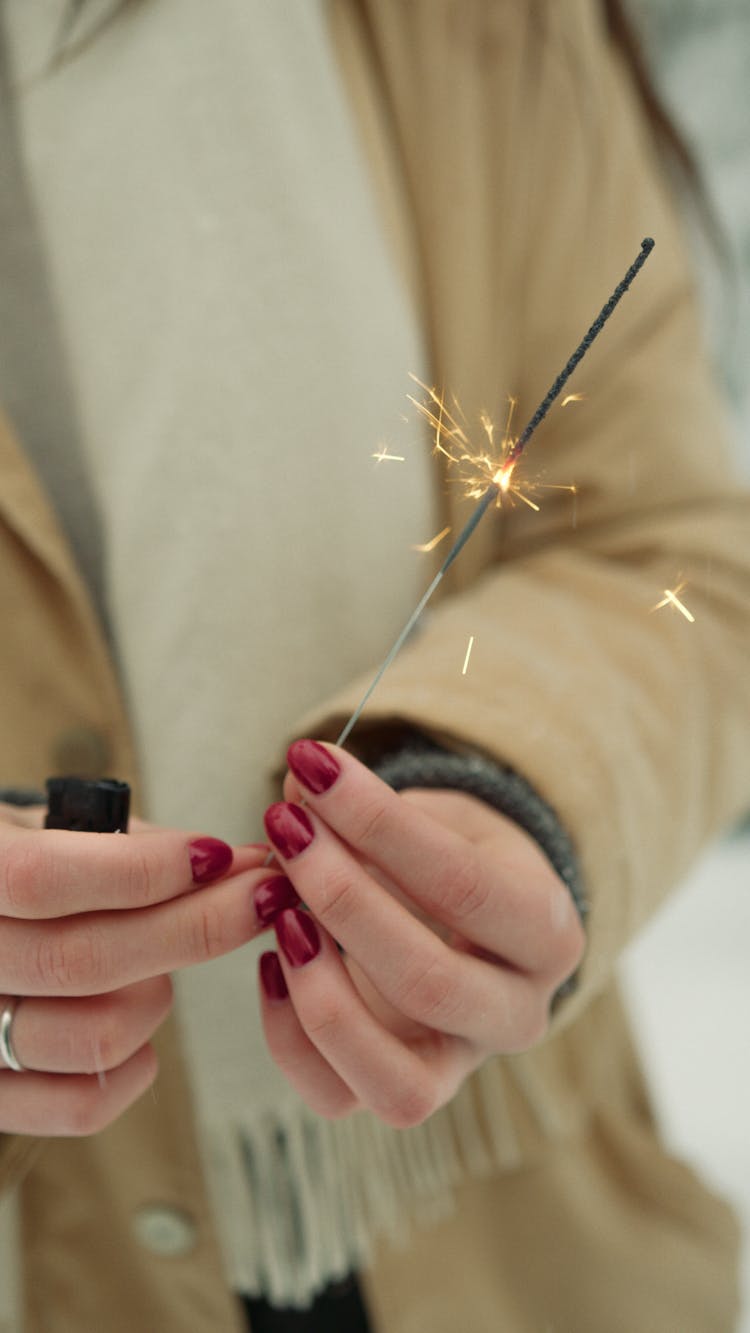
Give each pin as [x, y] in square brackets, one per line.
[500, 482]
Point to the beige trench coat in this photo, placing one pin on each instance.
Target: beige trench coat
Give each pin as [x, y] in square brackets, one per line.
[517, 179]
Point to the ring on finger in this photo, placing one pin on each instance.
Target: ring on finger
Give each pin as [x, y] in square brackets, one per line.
[7, 1054]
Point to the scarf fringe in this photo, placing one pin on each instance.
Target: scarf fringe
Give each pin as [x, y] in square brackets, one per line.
[314, 1196]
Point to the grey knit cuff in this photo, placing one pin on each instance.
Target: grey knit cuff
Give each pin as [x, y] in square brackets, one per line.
[22, 796]
[419, 762]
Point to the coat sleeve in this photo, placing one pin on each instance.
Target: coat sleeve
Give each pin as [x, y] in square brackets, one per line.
[532, 179]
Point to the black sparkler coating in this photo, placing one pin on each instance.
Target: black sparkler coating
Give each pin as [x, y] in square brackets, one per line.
[490, 494]
[518, 447]
[647, 246]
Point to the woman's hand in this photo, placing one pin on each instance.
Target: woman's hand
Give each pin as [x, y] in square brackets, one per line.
[90, 926]
[456, 933]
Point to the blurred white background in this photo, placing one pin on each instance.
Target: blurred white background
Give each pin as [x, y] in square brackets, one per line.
[688, 976]
[688, 985]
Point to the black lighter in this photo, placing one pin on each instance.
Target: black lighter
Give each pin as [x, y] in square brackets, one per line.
[100, 805]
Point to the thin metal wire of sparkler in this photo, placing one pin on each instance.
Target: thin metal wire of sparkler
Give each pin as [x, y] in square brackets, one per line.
[490, 494]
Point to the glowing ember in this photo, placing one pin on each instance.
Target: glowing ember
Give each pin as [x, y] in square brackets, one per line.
[435, 541]
[670, 598]
[490, 464]
[382, 456]
[503, 475]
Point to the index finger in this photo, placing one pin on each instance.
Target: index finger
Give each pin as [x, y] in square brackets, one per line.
[57, 872]
[438, 867]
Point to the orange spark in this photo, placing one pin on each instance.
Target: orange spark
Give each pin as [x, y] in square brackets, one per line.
[478, 465]
[382, 455]
[670, 598]
[468, 655]
[435, 541]
[572, 398]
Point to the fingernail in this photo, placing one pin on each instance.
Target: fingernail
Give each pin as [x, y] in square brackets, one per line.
[289, 828]
[272, 977]
[298, 937]
[209, 858]
[272, 897]
[313, 765]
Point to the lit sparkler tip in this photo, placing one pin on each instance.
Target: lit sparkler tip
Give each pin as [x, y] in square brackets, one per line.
[503, 476]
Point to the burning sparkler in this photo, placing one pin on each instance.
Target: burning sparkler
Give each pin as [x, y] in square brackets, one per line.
[501, 481]
[477, 469]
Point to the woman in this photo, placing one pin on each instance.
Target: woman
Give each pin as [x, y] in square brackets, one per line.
[241, 283]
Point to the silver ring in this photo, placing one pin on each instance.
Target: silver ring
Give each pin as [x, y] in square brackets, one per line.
[7, 1054]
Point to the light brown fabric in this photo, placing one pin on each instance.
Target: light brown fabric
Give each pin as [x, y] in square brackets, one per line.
[558, 1247]
[529, 179]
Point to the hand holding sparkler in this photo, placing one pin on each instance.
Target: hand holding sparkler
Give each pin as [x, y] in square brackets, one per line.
[456, 929]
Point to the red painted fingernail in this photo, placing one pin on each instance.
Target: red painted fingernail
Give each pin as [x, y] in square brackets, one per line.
[209, 858]
[289, 828]
[272, 977]
[313, 765]
[298, 937]
[272, 897]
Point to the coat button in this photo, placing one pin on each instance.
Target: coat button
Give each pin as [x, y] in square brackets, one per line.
[164, 1230]
[80, 752]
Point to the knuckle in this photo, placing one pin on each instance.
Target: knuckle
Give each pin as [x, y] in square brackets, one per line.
[338, 899]
[206, 933]
[85, 1113]
[24, 877]
[370, 823]
[467, 889]
[141, 878]
[105, 1048]
[412, 1106]
[427, 992]
[121, 1023]
[326, 1023]
[71, 960]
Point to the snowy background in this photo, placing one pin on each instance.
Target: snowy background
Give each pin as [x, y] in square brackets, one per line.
[688, 976]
